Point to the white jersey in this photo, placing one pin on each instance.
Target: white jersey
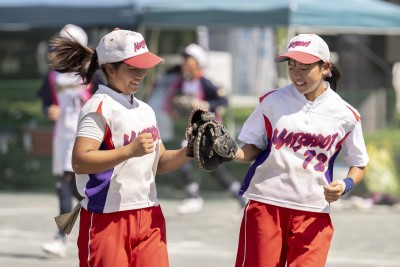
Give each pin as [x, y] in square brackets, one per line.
[130, 184]
[300, 140]
[70, 94]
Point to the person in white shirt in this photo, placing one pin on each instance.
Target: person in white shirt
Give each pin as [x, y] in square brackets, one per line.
[63, 95]
[117, 154]
[294, 136]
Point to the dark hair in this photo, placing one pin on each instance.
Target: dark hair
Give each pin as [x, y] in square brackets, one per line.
[68, 55]
[334, 79]
[114, 65]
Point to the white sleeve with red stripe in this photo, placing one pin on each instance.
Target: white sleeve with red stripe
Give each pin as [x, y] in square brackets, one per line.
[253, 130]
[354, 150]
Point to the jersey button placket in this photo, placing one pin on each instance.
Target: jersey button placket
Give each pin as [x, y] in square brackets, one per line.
[307, 110]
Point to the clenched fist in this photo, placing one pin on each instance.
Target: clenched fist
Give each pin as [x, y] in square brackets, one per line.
[142, 144]
[333, 191]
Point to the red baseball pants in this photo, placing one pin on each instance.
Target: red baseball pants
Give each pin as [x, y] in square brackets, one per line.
[272, 236]
[132, 238]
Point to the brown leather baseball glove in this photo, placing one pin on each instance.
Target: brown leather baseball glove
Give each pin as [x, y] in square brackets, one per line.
[208, 141]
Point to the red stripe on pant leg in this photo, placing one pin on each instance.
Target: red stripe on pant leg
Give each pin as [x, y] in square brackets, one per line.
[103, 239]
[135, 238]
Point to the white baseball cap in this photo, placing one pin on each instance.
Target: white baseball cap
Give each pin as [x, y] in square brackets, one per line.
[197, 52]
[74, 32]
[126, 46]
[306, 49]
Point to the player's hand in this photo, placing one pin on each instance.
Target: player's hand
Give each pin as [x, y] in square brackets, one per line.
[53, 112]
[333, 191]
[142, 144]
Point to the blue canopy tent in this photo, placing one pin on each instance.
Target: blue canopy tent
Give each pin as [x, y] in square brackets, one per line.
[30, 14]
[341, 16]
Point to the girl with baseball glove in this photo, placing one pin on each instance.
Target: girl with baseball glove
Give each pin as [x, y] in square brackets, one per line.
[117, 153]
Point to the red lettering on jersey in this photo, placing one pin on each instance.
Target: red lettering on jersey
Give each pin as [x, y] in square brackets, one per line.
[325, 141]
[128, 139]
[155, 134]
[296, 141]
[332, 141]
[316, 139]
[296, 137]
[277, 140]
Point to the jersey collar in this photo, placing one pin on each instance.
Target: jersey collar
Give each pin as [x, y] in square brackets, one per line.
[129, 101]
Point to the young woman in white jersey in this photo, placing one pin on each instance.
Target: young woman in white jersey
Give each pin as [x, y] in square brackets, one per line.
[117, 153]
[294, 136]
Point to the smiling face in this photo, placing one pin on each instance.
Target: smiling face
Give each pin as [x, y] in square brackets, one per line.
[125, 78]
[308, 78]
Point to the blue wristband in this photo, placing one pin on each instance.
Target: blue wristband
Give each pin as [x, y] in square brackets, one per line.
[349, 182]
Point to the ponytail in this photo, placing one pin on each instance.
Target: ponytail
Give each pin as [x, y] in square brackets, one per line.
[70, 56]
[334, 79]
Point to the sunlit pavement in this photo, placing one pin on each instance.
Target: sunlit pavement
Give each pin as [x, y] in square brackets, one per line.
[364, 236]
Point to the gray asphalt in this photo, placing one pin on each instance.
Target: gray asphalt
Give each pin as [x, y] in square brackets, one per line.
[363, 237]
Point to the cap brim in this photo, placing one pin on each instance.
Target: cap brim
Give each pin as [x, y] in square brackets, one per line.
[298, 56]
[144, 61]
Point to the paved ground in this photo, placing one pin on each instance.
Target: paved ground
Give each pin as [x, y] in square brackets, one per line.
[363, 238]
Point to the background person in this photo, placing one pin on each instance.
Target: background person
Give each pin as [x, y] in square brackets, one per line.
[189, 90]
[63, 95]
